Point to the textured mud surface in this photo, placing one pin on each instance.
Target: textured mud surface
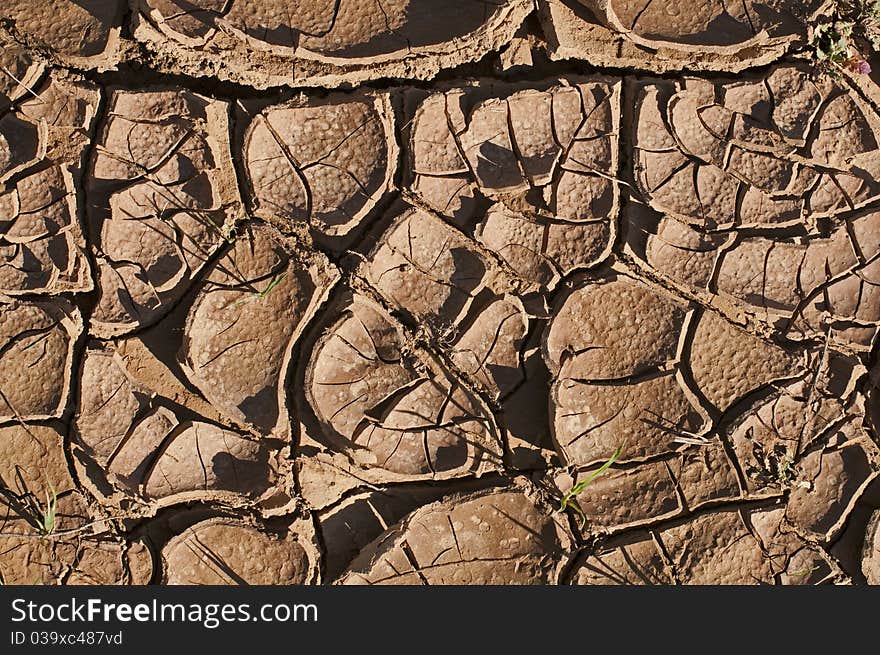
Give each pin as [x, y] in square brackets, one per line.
[356, 292]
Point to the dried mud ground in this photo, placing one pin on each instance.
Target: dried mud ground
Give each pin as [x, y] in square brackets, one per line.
[356, 292]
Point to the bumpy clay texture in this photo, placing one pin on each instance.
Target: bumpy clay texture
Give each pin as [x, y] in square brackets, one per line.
[545, 292]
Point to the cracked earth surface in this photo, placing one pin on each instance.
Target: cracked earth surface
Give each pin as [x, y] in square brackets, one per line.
[356, 292]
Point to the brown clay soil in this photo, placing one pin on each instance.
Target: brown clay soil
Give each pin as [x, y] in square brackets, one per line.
[355, 292]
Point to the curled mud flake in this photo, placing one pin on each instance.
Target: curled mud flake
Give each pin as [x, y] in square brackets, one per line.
[72, 31]
[796, 100]
[771, 439]
[21, 144]
[274, 23]
[676, 250]
[612, 348]
[109, 405]
[434, 149]
[584, 125]
[349, 30]
[714, 155]
[356, 365]
[651, 131]
[147, 445]
[828, 485]
[163, 192]
[228, 463]
[842, 133]
[190, 22]
[613, 329]
[454, 196]
[131, 458]
[670, 36]
[822, 274]
[865, 231]
[243, 323]
[841, 191]
[67, 108]
[36, 356]
[32, 460]
[759, 209]
[774, 277]
[846, 310]
[708, 26]
[65, 104]
[676, 191]
[591, 147]
[770, 174]
[432, 429]
[437, 170]
[22, 72]
[704, 474]
[328, 44]
[799, 286]
[632, 560]
[391, 408]
[793, 560]
[839, 302]
[137, 293]
[542, 250]
[224, 551]
[716, 548]
[495, 537]
[487, 144]
[698, 126]
[488, 350]
[106, 562]
[623, 498]
[871, 550]
[579, 197]
[82, 549]
[680, 158]
[41, 242]
[382, 30]
[547, 152]
[323, 164]
[727, 362]
[427, 269]
[364, 514]
[592, 419]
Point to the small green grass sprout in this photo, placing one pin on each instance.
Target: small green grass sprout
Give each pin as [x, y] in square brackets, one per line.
[803, 572]
[274, 282]
[47, 519]
[256, 295]
[569, 499]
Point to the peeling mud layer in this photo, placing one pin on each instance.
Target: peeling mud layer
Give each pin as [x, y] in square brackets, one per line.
[356, 292]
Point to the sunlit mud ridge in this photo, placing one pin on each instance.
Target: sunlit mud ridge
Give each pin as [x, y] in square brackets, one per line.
[423, 292]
